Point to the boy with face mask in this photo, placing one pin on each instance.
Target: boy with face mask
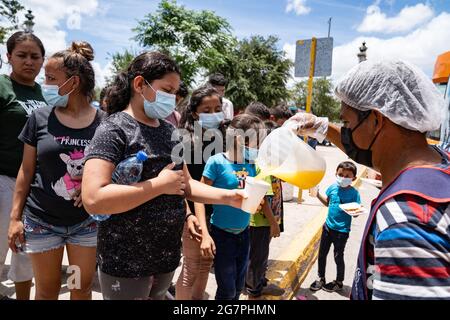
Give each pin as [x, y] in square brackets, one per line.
[337, 226]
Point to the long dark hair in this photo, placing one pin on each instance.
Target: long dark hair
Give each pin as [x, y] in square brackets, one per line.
[150, 65]
[187, 116]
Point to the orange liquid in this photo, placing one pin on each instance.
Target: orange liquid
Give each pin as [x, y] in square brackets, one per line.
[302, 179]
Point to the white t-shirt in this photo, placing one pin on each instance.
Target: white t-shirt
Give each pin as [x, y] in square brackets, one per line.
[228, 109]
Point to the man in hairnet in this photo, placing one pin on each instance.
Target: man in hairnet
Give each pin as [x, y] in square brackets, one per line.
[387, 109]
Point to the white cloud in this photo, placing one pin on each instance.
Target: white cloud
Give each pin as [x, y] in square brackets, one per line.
[102, 73]
[289, 50]
[420, 47]
[407, 19]
[50, 16]
[298, 6]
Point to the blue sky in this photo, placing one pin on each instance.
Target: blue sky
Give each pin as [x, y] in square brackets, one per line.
[107, 25]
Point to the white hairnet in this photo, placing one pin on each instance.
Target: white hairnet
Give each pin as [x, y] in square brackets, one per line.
[398, 90]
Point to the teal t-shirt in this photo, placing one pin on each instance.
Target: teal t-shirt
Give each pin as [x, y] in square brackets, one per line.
[228, 175]
[337, 219]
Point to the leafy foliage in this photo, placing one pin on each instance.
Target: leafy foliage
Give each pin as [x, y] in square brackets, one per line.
[324, 103]
[197, 40]
[8, 17]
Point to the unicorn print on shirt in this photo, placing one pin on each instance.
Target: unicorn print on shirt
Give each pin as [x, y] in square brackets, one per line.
[70, 184]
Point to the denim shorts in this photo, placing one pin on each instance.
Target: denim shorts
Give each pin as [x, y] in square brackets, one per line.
[41, 236]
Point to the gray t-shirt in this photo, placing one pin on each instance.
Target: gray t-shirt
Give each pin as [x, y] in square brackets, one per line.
[59, 166]
[145, 240]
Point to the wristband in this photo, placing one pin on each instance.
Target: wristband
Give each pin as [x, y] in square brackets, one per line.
[188, 215]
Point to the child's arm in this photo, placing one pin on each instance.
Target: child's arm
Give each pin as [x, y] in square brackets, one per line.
[325, 201]
[267, 211]
[100, 196]
[207, 246]
[193, 223]
[197, 191]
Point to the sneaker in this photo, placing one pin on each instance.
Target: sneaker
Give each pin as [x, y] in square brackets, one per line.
[317, 285]
[333, 286]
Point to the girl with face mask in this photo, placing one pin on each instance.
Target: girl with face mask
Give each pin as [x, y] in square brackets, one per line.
[230, 226]
[48, 190]
[203, 128]
[139, 245]
[20, 95]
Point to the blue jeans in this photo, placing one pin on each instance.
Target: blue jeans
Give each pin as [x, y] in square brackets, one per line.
[41, 236]
[230, 262]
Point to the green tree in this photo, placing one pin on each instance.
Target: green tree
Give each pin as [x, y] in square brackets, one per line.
[8, 17]
[197, 40]
[257, 70]
[120, 62]
[324, 103]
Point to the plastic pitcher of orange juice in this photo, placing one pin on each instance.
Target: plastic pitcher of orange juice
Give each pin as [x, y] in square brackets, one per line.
[284, 155]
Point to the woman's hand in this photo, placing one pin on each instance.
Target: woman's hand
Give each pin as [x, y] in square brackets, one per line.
[173, 182]
[207, 247]
[194, 228]
[274, 230]
[15, 232]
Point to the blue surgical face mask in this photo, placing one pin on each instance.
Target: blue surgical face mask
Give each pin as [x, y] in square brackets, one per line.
[51, 95]
[344, 182]
[162, 107]
[250, 154]
[211, 120]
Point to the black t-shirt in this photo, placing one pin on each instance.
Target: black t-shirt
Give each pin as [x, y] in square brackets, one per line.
[145, 240]
[59, 166]
[196, 165]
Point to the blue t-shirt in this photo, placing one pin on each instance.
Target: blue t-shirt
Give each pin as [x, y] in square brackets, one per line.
[228, 175]
[337, 219]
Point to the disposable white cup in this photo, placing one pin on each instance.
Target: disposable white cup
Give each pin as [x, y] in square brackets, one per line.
[255, 191]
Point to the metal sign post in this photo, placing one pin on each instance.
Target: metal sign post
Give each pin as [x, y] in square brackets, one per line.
[311, 74]
[313, 59]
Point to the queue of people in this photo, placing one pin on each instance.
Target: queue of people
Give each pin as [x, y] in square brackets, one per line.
[58, 155]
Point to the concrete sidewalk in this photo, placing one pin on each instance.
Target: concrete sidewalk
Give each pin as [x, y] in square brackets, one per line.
[368, 193]
[297, 217]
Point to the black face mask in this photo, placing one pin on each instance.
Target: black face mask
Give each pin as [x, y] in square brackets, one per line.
[362, 156]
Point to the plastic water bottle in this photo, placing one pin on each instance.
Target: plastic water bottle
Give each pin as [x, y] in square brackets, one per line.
[127, 172]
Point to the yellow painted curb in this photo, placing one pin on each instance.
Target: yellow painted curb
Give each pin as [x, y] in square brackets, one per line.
[290, 268]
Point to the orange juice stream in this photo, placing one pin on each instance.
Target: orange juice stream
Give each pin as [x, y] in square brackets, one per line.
[302, 179]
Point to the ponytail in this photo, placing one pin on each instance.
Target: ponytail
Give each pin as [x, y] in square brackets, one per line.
[119, 93]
